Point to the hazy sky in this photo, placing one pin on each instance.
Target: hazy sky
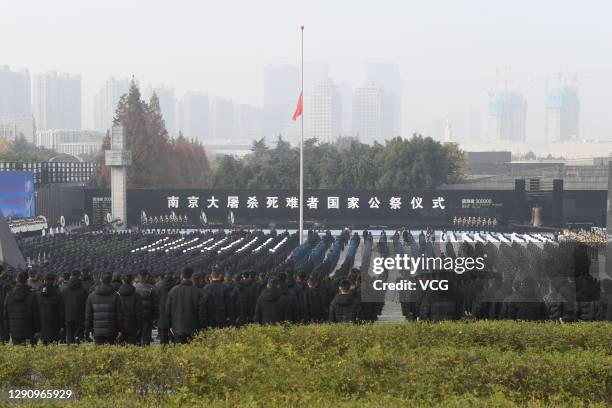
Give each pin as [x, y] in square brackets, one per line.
[447, 50]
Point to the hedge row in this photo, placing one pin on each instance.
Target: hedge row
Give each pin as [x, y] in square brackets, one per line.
[450, 364]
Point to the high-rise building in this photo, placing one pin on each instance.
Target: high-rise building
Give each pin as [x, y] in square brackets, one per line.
[12, 127]
[281, 88]
[15, 93]
[106, 101]
[368, 112]
[249, 122]
[562, 114]
[75, 142]
[57, 101]
[193, 115]
[325, 112]
[507, 116]
[346, 97]
[167, 104]
[222, 119]
[386, 75]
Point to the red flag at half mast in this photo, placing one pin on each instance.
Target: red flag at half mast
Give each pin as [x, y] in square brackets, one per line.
[298, 109]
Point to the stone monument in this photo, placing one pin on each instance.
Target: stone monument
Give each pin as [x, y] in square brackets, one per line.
[118, 158]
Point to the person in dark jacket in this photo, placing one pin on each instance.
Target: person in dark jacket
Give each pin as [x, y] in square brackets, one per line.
[51, 308]
[103, 313]
[163, 288]
[524, 304]
[87, 281]
[5, 287]
[74, 299]
[345, 306]
[439, 305]
[186, 308]
[21, 312]
[245, 315]
[271, 305]
[314, 304]
[219, 300]
[131, 305]
[604, 310]
[150, 308]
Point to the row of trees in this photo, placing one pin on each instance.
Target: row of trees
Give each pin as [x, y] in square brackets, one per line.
[158, 161]
[419, 162]
[22, 151]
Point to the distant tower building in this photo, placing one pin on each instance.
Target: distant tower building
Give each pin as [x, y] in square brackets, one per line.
[167, 104]
[106, 101]
[15, 91]
[249, 123]
[346, 97]
[562, 114]
[386, 75]
[222, 119]
[448, 132]
[325, 112]
[368, 112]
[281, 88]
[57, 101]
[507, 116]
[193, 115]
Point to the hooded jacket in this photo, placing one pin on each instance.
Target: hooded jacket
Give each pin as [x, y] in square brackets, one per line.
[21, 313]
[271, 306]
[131, 306]
[75, 296]
[103, 313]
[51, 308]
[149, 299]
[344, 308]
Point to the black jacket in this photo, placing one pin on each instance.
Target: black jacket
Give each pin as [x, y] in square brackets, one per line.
[186, 308]
[344, 308]
[440, 305]
[245, 313]
[163, 288]
[51, 307]
[131, 306]
[219, 303]
[21, 313]
[271, 306]
[525, 305]
[314, 305]
[103, 313]
[75, 297]
[149, 299]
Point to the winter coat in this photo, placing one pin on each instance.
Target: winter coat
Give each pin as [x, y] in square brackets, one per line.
[131, 306]
[186, 308]
[219, 302]
[525, 305]
[21, 313]
[344, 308]
[163, 288]
[51, 310]
[103, 313]
[314, 305]
[149, 298]
[75, 297]
[271, 306]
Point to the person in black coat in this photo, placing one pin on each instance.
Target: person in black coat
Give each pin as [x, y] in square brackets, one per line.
[524, 304]
[51, 308]
[74, 297]
[21, 312]
[314, 304]
[439, 305]
[5, 287]
[163, 288]
[245, 314]
[186, 308]
[219, 300]
[345, 306]
[292, 303]
[271, 305]
[150, 308]
[131, 305]
[103, 313]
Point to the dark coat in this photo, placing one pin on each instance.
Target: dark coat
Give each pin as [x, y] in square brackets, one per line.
[51, 307]
[163, 288]
[344, 308]
[149, 298]
[21, 313]
[75, 297]
[131, 306]
[219, 302]
[103, 313]
[245, 313]
[186, 308]
[314, 305]
[525, 305]
[271, 306]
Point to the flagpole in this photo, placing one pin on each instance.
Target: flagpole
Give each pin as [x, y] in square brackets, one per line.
[302, 150]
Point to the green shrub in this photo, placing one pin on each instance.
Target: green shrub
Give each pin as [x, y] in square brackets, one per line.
[488, 364]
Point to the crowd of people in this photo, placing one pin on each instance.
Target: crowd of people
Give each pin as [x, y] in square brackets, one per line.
[83, 288]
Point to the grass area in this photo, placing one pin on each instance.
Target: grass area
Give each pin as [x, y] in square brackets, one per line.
[486, 364]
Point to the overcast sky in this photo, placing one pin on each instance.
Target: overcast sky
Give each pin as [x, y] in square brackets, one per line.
[447, 50]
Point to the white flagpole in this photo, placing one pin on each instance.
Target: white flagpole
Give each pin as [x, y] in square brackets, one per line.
[302, 150]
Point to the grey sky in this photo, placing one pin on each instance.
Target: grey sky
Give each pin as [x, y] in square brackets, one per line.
[447, 50]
